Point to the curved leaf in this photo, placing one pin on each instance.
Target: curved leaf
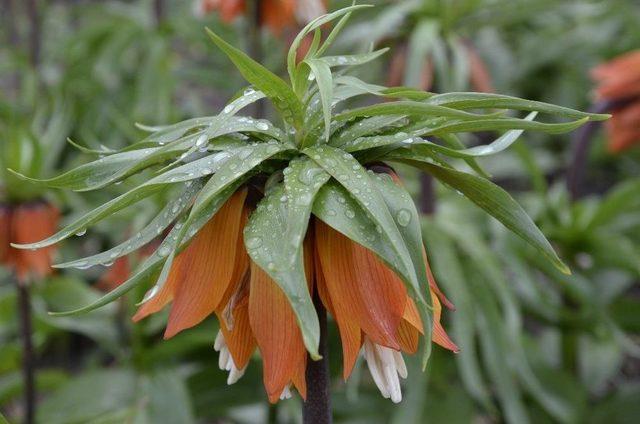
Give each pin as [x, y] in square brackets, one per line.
[263, 239]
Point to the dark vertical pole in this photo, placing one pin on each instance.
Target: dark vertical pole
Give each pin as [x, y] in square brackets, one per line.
[35, 38]
[317, 408]
[427, 194]
[581, 142]
[159, 11]
[254, 20]
[28, 357]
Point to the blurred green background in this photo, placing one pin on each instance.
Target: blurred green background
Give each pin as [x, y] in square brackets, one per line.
[536, 345]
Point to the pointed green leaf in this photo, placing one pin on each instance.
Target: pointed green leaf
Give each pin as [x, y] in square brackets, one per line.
[153, 229]
[323, 77]
[348, 172]
[280, 93]
[495, 201]
[499, 101]
[189, 171]
[408, 107]
[263, 239]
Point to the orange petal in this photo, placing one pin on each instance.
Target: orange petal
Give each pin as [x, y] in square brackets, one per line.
[300, 378]
[277, 14]
[362, 289]
[209, 265]
[276, 331]
[239, 338]
[30, 223]
[165, 294]
[5, 231]
[433, 286]
[350, 333]
[440, 336]
[408, 336]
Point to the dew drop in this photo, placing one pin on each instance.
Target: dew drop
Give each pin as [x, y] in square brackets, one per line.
[403, 217]
[228, 108]
[163, 251]
[81, 232]
[350, 214]
[201, 140]
[205, 171]
[263, 126]
[254, 242]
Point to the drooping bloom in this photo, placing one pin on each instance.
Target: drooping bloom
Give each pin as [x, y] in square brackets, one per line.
[275, 14]
[26, 223]
[619, 83]
[368, 301]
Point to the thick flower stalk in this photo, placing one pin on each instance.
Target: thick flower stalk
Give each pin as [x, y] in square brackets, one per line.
[266, 214]
[619, 83]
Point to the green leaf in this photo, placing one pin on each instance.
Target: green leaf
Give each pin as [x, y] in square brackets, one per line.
[320, 69]
[312, 26]
[153, 229]
[280, 93]
[302, 180]
[154, 263]
[348, 172]
[354, 59]
[401, 206]
[263, 239]
[189, 171]
[497, 202]
[408, 107]
[498, 101]
[339, 210]
[504, 124]
[364, 127]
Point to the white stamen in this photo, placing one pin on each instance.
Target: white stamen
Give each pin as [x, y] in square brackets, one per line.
[386, 366]
[286, 392]
[225, 360]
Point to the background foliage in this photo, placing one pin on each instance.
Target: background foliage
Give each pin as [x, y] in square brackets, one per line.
[536, 345]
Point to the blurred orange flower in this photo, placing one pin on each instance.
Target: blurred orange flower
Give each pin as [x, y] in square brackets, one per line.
[368, 301]
[27, 223]
[619, 82]
[275, 14]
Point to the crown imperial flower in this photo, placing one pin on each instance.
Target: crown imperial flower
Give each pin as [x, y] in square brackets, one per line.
[265, 215]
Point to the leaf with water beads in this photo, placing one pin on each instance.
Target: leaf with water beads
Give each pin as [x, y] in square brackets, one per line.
[189, 171]
[153, 264]
[338, 209]
[408, 107]
[302, 180]
[263, 240]
[401, 206]
[363, 127]
[152, 230]
[312, 26]
[323, 78]
[495, 201]
[354, 59]
[280, 93]
[499, 101]
[350, 173]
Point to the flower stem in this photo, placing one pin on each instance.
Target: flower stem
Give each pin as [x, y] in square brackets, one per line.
[28, 357]
[159, 11]
[317, 408]
[35, 41]
[254, 18]
[581, 142]
[427, 194]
